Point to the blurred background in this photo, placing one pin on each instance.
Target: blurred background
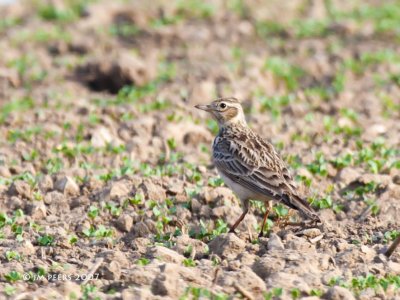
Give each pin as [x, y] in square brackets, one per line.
[96, 105]
[77, 71]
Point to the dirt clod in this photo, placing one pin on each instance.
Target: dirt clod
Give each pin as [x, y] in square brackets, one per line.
[106, 166]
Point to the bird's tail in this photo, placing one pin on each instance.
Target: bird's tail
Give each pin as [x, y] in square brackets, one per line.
[298, 203]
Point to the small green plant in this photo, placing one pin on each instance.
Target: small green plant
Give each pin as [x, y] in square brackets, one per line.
[219, 228]
[71, 12]
[18, 105]
[280, 210]
[275, 293]
[212, 126]
[284, 71]
[215, 181]
[13, 276]
[12, 255]
[93, 212]
[100, 232]
[189, 262]
[198, 293]
[310, 28]
[136, 200]
[143, 261]
[124, 29]
[113, 209]
[73, 239]
[295, 293]
[88, 291]
[195, 9]
[10, 290]
[343, 161]
[266, 28]
[171, 143]
[325, 203]
[391, 235]
[275, 104]
[361, 283]
[45, 240]
[319, 166]
[316, 292]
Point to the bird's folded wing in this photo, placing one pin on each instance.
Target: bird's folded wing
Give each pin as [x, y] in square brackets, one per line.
[258, 176]
[250, 173]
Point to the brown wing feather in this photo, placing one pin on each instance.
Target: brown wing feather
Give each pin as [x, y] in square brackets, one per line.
[255, 164]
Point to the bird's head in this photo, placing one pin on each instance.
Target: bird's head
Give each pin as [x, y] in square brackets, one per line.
[226, 111]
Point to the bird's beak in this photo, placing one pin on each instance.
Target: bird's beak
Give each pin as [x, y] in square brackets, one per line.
[203, 107]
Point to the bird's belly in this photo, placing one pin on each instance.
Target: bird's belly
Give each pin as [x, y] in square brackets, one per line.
[238, 189]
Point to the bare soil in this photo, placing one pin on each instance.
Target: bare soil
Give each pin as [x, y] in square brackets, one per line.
[106, 186]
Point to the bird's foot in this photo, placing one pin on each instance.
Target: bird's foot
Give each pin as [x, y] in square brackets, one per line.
[232, 230]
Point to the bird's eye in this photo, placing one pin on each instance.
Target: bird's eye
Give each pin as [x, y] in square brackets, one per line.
[222, 105]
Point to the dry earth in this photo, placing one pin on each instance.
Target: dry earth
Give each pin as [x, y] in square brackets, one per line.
[106, 185]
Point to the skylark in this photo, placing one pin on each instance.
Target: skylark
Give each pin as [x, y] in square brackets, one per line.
[249, 165]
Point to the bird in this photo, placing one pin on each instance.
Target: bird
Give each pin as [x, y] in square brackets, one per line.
[249, 165]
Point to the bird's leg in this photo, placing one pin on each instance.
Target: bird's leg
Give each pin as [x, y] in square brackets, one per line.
[393, 247]
[267, 211]
[245, 211]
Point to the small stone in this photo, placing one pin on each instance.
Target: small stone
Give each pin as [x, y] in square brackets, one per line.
[36, 209]
[101, 137]
[26, 249]
[164, 254]
[267, 265]
[202, 169]
[153, 191]
[168, 283]
[369, 252]
[82, 227]
[15, 202]
[124, 222]
[119, 189]
[5, 172]
[175, 186]
[141, 276]
[140, 244]
[227, 245]
[342, 245]
[299, 243]
[275, 242]
[218, 195]
[348, 175]
[245, 278]
[339, 293]
[20, 188]
[114, 255]
[58, 204]
[111, 270]
[311, 232]
[191, 247]
[197, 135]
[46, 183]
[136, 293]
[393, 267]
[67, 186]
[230, 214]
[70, 290]
[80, 201]
[287, 281]
[140, 229]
